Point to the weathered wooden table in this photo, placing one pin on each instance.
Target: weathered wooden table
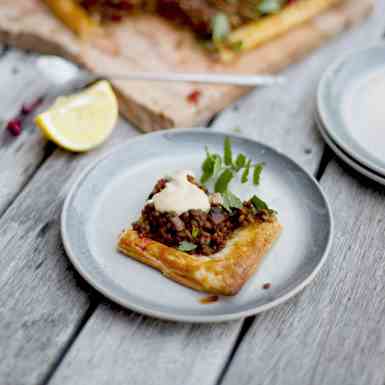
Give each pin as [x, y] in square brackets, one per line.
[55, 329]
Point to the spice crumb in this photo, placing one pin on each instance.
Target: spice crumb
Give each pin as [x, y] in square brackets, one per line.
[194, 97]
[15, 125]
[266, 286]
[28, 108]
[209, 299]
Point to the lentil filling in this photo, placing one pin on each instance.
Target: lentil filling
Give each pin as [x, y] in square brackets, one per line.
[209, 231]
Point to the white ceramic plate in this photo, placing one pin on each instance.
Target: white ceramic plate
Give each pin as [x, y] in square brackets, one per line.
[351, 106]
[110, 194]
[345, 157]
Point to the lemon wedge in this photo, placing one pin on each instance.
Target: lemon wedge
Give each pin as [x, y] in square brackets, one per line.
[82, 121]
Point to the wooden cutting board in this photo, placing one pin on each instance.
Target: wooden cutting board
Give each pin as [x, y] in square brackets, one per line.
[148, 43]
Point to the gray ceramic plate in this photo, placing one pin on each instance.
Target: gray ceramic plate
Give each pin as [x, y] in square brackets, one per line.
[346, 158]
[351, 105]
[110, 194]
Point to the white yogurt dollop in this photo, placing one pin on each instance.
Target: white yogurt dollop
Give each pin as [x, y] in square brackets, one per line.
[180, 196]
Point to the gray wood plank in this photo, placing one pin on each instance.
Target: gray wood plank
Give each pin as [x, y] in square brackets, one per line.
[19, 156]
[118, 347]
[42, 300]
[334, 332]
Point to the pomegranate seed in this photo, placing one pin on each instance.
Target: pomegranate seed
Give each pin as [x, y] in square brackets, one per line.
[14, 127]
[194, 96]
[28, 108]
[116, 18]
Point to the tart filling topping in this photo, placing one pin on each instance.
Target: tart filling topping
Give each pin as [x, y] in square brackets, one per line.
[181, 213]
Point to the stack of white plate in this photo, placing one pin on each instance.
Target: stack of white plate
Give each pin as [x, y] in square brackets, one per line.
[351, 110]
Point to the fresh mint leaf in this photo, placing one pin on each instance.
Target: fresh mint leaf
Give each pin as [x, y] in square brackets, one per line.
[208, 166]
[223, 169]
[186, 246]
[259, 204]
[246, 171]
[217, 160]
[240, 162]
[257, 173]
[207, 169]
[228, 152]
[230, 201]
[223, 181]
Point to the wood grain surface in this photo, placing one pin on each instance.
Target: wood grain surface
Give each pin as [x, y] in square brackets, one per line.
[18, 159]
[334, 332]
[152, 106]
[321, 337]
[42, 301]
[54, 329]
[87, 361]
[44, 283]
[91, 358]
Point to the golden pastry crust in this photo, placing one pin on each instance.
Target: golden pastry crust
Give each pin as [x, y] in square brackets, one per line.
[223, 273]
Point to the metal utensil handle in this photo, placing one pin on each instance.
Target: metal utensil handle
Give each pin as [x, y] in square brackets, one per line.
[239, 80]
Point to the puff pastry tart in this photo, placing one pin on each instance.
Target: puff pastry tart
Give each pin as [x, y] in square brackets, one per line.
[223, 273]
[208, 242]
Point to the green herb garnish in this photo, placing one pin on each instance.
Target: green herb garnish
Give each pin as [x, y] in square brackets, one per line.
[220, 26]
[227, 152]
[207, 168]
[269, 6]
[259, 204]
[246, 171]
[186, 246]
[236, 46]
[257, 173]
[222, 170]
[217, 163]
[223, 181]
[194, 232]
[211, 166]
[240, 162]
[231, 201]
